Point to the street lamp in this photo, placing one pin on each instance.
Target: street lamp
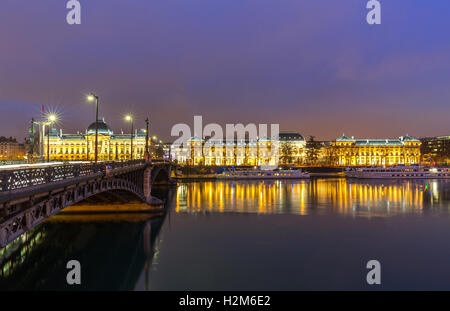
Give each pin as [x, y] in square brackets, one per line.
[31, 131]
[92, 97]
[129, 118]
[146, 154]
[51, 118]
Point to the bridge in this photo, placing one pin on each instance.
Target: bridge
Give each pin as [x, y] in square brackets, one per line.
[29, 195]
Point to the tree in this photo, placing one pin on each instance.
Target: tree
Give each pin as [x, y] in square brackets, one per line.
[4, 139]
[159, 152]
[312, 150]
[286, 153]
[331, 155]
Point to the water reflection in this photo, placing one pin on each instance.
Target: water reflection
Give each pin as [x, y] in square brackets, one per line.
[357, 198]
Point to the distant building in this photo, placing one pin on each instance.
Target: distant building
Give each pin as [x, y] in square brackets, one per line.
[10, 149]
[351, 151]
[157, 149]
[111, 146]
[292, 144]
[436, 150]
[241, 152]
[167, 151]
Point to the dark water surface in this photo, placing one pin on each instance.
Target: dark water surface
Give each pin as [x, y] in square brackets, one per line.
[249, 235]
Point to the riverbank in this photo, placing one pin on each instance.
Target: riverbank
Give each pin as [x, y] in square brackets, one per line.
[212, 173]
[116, 208]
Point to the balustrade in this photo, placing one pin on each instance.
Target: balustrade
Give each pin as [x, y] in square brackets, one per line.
[13, 179]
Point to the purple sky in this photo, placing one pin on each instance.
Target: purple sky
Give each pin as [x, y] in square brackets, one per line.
[313, 66]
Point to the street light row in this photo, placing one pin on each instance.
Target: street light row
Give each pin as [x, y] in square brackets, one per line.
[129, 118]
[52, 118]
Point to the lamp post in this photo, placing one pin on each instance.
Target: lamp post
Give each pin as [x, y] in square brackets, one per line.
[146, 155]
[50, 120]
[31, 151]
[154, 143]
[42, 125]
[87, 149]
[129, 118]
[92, 97]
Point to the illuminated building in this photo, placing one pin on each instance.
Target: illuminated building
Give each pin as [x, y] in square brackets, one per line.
[436, 150]
[167, 151]
[240, 152]
[80, 146]
[10, 149]
[294, 145]
[350, 151]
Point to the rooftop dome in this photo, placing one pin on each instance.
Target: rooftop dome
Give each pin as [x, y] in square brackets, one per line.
[345, 138]
[195, 138]
[103, 128]
[408, 138]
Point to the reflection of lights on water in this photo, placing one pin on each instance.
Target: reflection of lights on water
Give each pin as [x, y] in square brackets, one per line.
[435, 192]
[24, 243]
[301, 197]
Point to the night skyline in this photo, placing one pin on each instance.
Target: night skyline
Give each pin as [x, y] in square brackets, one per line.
[314, 67]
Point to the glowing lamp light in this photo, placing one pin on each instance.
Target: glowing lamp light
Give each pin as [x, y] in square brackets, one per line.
[52, 118]
[90, 98]
[128, 118]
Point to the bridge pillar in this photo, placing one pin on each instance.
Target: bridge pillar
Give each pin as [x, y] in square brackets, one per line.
[28, 220]
[3, 236]
[169, 172]
[47, 208]
[148, 187]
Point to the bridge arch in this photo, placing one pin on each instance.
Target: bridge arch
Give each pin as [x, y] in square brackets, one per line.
[39, 211]
[160, 175]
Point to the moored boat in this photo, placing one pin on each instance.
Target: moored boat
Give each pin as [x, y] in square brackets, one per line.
[399, 172]
[263, 174]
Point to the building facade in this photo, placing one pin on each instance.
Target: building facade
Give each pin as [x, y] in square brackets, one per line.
[371, 152]
[292, 148]
[10, 149]
[436, 150]
[81, 146]
[241, 152]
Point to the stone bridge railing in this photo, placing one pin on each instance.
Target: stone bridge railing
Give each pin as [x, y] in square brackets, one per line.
[20, 178]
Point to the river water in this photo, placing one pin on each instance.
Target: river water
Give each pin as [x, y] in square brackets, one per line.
[313, 234]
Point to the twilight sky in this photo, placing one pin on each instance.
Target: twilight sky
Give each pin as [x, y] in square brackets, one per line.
[314, 66]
